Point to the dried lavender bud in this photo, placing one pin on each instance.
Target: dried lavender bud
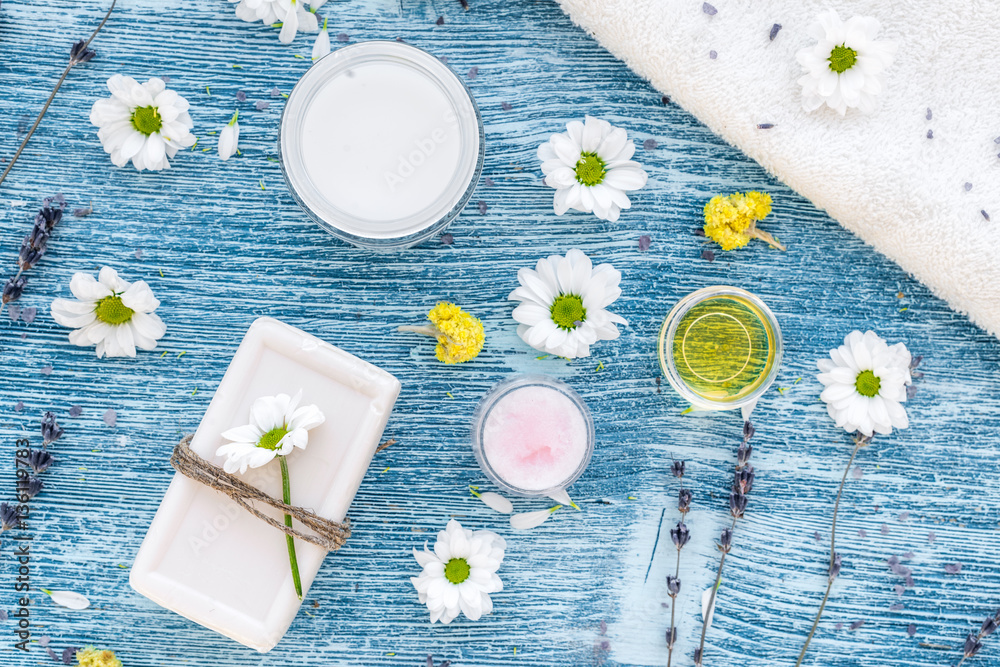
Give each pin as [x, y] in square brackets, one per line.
[775, 29]
[29, 486]
[972, 645]
[737, 504]
[430, 661]
[835, 566]
[743, 454]
[915, 361]
[50, 216]
[80, 53]
[38, 460]
[644, 242]
[743, 483]
[765, 126]
[684, 500]
[10, 516]
[697, 657]
[13, 290]
[726, 540]
[748, 430]
[51, 431]
[241, 96]
[989, 627]
[29, 256]
[673, 586]
[38, 237]
[677, 468]
[671, 637]
[709, 9]
[680, 535]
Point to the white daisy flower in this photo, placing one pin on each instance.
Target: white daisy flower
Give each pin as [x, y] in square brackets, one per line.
[865, 384]
[229, 138]
[111, 314]
[563, 304]
[459, 575]
[590, 167]
[322, 45]
[144, 123]
[267, 12]
[277, 425]
[291, 14]
[844, 68]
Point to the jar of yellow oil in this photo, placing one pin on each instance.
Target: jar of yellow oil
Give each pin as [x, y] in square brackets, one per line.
[720, 348]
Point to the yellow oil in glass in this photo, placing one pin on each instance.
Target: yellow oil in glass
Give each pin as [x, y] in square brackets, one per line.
[723, 348]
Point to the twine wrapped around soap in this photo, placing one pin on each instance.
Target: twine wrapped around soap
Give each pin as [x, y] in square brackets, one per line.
[330, 535]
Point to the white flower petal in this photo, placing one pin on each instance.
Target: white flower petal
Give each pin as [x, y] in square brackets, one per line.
[529, 520]
[496, 502]
[68, 599]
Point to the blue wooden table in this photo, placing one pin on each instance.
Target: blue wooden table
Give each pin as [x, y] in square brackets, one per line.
[223, 243]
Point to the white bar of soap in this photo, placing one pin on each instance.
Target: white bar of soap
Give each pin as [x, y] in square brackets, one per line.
[214, 563]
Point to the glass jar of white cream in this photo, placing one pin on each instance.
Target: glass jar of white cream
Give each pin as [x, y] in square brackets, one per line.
[381, 144]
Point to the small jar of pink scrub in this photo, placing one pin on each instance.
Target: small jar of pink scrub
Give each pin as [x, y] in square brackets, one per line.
[532, 435]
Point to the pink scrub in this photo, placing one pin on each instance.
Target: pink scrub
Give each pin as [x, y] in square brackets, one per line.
[535, 438]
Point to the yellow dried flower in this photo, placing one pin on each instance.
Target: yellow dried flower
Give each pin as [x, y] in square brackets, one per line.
[731, 220]
[460, 336]
[92, 657]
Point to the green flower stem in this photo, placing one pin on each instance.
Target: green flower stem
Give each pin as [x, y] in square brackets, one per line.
[833, 554]
[286, 496]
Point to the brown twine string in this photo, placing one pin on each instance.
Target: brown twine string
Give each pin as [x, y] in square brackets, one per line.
[330, 535]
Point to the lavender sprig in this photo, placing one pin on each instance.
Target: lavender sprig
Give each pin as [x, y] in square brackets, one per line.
[974, 642]
[835, 559]
[679, 535]
[738, 499]
[33, 247]
[78, 54]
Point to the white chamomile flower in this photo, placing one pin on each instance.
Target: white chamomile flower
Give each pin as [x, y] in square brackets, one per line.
[590, 167]
[461, 572]
[563, 304]
[844, 68]
[322, 45]
[111, 314]
[229, 138]
[291, 14]
[142, 122]
[277, 426]
[267, 12]
[865, 383]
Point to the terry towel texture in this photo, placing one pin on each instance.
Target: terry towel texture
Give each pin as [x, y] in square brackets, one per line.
[880, 175]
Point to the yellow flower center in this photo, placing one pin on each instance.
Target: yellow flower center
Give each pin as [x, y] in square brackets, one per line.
[147, 120]
[111, 310]
[842, 58]
[590, 169]
[568, 312]
[867, 384]
[271, 439]
[457, 570]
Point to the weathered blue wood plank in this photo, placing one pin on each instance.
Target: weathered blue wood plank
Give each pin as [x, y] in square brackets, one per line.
[230, 251]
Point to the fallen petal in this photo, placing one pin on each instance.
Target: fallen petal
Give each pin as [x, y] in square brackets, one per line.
[68, 599]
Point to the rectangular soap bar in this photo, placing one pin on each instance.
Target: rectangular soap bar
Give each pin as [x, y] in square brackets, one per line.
[212, 562]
